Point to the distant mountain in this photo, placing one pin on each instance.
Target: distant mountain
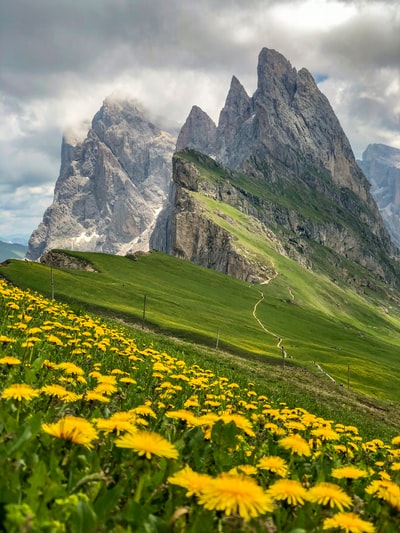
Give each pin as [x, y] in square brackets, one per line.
[12, 251]
[111, 186]
[381, 165]
[282, 158]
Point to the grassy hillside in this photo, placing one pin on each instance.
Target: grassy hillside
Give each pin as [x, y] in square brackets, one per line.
[317, 321]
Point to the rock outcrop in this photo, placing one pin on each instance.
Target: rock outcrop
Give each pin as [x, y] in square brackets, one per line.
[111, 187]
[187, 232]
[60, 259]
[381, 165]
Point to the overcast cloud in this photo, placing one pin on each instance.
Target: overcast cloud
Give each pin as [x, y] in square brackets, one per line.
[59, 59]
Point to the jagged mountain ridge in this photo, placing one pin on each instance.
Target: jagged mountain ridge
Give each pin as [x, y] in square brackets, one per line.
[111, 187]
[288, 138]
[306, 192]
[381, 165]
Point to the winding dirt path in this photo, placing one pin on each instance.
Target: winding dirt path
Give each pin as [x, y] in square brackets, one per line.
[259, 321]
[278, 337]
[268, 331]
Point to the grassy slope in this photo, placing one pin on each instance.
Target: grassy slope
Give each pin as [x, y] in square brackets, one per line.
[318, 320]
[322, 323]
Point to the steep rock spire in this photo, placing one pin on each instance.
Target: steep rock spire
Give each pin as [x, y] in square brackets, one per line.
[237, 109]
[198, 132]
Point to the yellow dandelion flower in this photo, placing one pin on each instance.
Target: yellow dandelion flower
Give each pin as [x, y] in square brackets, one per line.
[34, 331]
[212, 403]
[75, 429]
[236, 495]
[193, 401]
[9, 360]
[240, 422]
[351, 429]
[4, 338]
[395, 467]
[147, 443]
[72, 397]
[117, 371]
[396, 441]
[248, 470]
[144, 410]
[274, 464]
[296, 444]
[181, 414]
[71, 368]
[127, 379]
[289, 490]
[349, 523]
[20, 391]
[48, 364]
[55, 390]
[105, 388]
[348, 472]
[117, 424]
[329, 494]
[93, 396]
[296, 425]
[325, 433]
[385, 490]
[192, 481]
[54, 340]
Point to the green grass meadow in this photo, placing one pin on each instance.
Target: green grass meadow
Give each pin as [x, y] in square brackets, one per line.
[318, 321]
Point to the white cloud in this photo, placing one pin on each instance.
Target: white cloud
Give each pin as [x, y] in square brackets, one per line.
[63, 58]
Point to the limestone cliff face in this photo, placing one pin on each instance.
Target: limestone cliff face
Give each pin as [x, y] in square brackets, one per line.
[288, 138]
[381, 165]
[187, 232]
[111, 187]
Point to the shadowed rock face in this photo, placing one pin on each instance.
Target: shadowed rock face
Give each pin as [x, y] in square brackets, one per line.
[381, 165]
[287, 136]
[198, 132]
[111, 186]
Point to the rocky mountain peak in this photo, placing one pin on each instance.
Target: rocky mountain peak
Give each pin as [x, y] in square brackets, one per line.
[288, 138]
[112, 185]
[276, 76]
[382, 152]
[238, 108]
[118, 114]
[288, 115]
[199, 131]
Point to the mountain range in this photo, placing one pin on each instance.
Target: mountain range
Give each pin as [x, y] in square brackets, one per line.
[12, 250]
[279, 157]
[381, 165]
